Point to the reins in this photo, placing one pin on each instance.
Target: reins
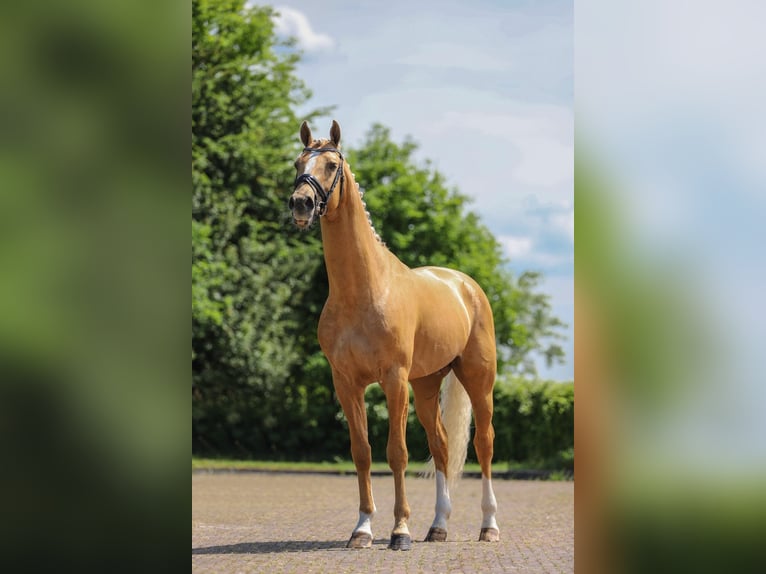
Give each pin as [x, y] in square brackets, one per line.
[316, 186]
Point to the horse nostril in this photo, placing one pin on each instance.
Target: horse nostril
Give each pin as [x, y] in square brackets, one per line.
[309, 203]
[291, 203]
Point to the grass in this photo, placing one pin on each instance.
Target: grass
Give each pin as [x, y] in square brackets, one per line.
[340, 466]
[233, 464]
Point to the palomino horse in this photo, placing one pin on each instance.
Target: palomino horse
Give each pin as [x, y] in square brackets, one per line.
[388, 323]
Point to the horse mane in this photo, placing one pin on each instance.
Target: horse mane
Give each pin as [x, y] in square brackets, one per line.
[366, 211]
[327, 143]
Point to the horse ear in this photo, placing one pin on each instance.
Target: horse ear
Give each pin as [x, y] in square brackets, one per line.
[306, 134]
[335, 134]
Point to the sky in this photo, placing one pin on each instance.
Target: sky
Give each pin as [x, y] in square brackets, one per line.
[486, 91]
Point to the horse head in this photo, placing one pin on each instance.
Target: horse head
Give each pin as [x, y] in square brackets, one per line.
[319, 173]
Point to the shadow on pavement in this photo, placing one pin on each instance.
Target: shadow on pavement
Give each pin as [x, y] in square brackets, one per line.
[277, 547]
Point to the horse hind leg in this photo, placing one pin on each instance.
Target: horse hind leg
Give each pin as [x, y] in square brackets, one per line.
[478, 377]
[426, 391]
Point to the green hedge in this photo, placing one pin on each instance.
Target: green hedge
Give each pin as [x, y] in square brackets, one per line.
[533, 420]
[534, 427]
[534, 423]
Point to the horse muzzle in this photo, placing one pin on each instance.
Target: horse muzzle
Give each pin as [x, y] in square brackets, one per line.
[303, 208]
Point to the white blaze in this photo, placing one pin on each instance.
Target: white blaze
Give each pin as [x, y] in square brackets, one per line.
[310, 163]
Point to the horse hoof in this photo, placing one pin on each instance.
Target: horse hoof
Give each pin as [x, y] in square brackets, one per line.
[400, 542]
[489, 535]
[436, 534]
[360, 540]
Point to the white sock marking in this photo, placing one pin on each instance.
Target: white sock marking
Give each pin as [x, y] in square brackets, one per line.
[488, 504]
[365, 523]
[443, 504]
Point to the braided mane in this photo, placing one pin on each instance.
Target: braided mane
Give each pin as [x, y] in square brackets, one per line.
[323, 143]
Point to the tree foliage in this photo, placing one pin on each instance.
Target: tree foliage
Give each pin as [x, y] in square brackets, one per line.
[249, 272]
[260, 384]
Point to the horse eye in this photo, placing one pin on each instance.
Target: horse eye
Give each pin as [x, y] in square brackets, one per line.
[297, 161]
[331, 165]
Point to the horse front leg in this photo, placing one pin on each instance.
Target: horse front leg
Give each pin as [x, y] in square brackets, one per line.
[396, 390]
[351, 398]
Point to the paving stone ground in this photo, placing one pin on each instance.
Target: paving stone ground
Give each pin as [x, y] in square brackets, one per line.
[280, 523]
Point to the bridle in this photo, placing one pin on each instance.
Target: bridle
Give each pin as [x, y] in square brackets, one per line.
[316, 186]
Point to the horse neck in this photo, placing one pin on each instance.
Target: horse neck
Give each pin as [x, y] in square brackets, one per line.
[357, 263]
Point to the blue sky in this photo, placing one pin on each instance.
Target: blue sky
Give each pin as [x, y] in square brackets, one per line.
[493, 77]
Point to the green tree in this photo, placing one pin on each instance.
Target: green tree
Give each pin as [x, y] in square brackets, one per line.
[249, 270]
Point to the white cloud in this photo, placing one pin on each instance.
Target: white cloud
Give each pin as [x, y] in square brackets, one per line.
[524, 252]
[516, 246]
[544, 162]
[452, 55]
[540, 236]
[565, 223]
[291, 22]
[541, 134]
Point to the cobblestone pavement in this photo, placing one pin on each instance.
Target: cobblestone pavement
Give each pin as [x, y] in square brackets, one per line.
[279, 523]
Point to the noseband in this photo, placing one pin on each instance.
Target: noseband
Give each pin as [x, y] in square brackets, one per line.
[316, 186]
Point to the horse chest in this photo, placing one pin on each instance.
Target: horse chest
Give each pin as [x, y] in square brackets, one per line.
[363, 343]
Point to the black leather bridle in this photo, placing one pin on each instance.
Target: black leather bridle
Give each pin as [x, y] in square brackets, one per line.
[316, 186]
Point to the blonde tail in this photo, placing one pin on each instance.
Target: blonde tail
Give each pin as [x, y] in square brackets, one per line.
[456, 417]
